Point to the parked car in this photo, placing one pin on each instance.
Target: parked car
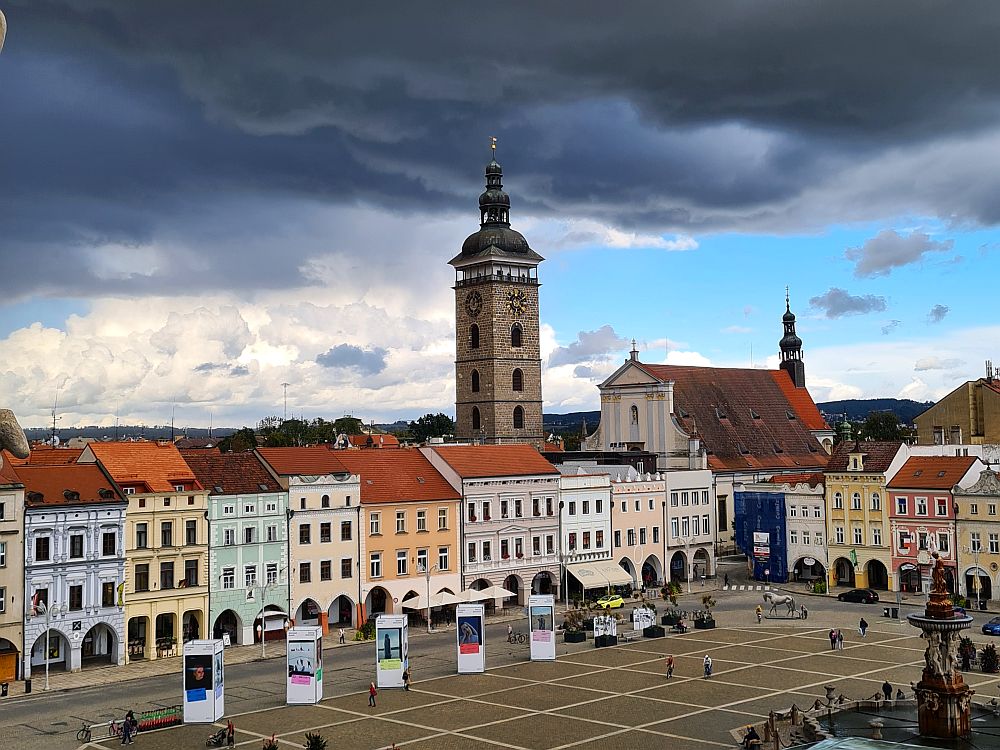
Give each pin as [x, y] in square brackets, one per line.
[612, 601]
[864, 596]
[992, 627]
[960, 611]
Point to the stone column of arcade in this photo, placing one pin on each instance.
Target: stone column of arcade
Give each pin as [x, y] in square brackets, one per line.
[943, 698]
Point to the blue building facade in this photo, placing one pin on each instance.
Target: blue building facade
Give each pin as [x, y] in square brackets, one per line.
[763, 513]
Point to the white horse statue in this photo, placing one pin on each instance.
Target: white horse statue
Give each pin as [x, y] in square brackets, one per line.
[12, 436]
[776, 600]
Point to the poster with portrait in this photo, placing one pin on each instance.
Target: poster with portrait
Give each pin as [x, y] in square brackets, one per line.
[605, 625]
[471, 638]
[304, 655]
[203, 681]
[391, 644]
[541, 618]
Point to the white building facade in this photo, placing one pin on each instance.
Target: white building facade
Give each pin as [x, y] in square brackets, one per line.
[690, 520]
[74, 564]
[585, 528]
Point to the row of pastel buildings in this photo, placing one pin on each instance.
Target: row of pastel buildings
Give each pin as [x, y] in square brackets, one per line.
[123, 551]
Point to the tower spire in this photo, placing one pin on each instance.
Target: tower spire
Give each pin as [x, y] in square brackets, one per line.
[791, 347]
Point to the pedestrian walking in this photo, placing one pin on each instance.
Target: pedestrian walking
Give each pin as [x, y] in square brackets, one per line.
[840, 639]
[760, 613]
[670, 666]
[130, 718]
[230, 734]
[372, 692]
[406, 679]
[510, 631]
[126, 731]
[341, 636]
[803, 612]
[708, 666]
[887, 690]
[833, 639]
[725, 580]
[863, 627]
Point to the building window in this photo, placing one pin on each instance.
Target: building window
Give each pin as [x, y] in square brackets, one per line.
[518, 508]
[805, 537]
[973, 509]
[705, 525]
[618, 538]
[598, 505]
[109, 543]
[401, 563]
[421, 560]
[167, 534]
[345, 531]
[517, 380]
[921, 505]
[876, 536]
[400, 522]
[991, 509]
[994, 544]
[442, 519]
[229, 510]
[838, 500]
[477, 421]
[695, 526]
[3, 554]
[442, 558]
[876, 501]
[346, 568]
[586, 507]
[271, 573]
[674, 499]
[975, 543]
[475, 381]
[270, 507]
[942, 542]
[518, 418]
[857, 535]
[685, 527]
[704, 497]
[516, 336]
[249, 509]
[793, 536]
[324, 502]
[474, 336]
[229, 578]
[142, 536]
[190, 572]
[166, 575]
[42, 548]
[229, 537]
[642, 535]
[675, 528]
[75, 598]
[486, 551]
[685, 497]
[375, 524]
[921, 540]
[941, 506]
[856, 501]
[302, 503]
[305, 572]
[272, 533]
[819, 538]
[721, 515]
[76, 546]
[305, 534]
[792, 511]
[901, 509]
[572, 507]
[325, 570]
[817, 513]
[839, 534]
[107, 593]
[550, 542]
[586, 539]
[191, 532]
[142, 577]
[572, 540]
[375, 565]
[166, 501]
[3, 600]
[325, 533]
[422, 518]
[599, 537]
[634, 415]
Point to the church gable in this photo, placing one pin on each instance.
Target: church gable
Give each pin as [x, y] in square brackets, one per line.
[631, 373]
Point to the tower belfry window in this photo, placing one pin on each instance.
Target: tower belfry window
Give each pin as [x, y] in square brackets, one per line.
[477, 422]
[475, 381]
[516, 336]
[518, 418]
[517, 380]
[474, 336]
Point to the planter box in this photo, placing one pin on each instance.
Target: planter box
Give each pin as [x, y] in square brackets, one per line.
[653, 631]
[603, 641]
[704, 624]
[588, 624]
[670, 619]
[574, 636]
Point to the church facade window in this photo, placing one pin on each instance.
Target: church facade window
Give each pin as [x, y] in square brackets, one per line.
[517, 380]
[634, 415]
[475, 381]
[518, 418]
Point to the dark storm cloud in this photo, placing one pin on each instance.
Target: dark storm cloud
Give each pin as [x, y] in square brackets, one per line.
[366, 362]
[836, 303]
[191, 125]
[889, 249]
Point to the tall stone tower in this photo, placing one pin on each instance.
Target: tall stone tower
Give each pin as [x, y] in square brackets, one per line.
[791, 348]
[498, 367]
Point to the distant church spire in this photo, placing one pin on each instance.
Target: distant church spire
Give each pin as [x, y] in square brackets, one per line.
[791, 347]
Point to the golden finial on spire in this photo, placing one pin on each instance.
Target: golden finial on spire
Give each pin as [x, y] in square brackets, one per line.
[493, 145]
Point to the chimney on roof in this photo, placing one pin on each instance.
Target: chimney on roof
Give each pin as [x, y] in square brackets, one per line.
[989, 371]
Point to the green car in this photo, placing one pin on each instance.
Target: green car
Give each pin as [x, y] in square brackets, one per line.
[612, 601]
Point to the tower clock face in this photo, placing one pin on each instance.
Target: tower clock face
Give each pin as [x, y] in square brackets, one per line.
[474, 303]
[517, 301]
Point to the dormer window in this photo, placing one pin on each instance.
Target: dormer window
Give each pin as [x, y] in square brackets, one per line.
[789, 413]
[754, 415]
[720, 414]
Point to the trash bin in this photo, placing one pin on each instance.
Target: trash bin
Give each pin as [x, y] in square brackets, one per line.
[885, 611]
[982, 605]
[895, 613]
[27, 686]
[3, 689]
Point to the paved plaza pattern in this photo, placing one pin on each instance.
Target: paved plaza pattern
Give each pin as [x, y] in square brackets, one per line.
[615, 697]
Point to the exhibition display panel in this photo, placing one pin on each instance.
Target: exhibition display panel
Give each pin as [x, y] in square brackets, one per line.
[471, 635]
[305, 665]
[392, 648]
[204, 682]
[541, 623]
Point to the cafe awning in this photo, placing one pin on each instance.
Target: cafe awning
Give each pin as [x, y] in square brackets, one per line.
[599, 574]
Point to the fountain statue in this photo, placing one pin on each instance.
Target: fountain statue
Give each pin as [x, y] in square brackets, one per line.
[943, 698]
[12, 436]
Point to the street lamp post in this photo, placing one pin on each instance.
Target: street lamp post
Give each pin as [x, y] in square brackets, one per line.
[427, 577]
[976, 585]
[687, 559]
[49, 611]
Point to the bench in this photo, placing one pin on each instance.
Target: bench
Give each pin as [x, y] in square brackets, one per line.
[679, 628]
[630, 636]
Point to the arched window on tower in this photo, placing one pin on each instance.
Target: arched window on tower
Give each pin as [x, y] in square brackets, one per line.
[634, 418]
[518, 418]
[516, 335]
[517, 380]
[474, 336]
[475, 381]
[477, 422]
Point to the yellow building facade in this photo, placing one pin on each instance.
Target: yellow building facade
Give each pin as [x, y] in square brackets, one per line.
[858, 530]
[977, 530]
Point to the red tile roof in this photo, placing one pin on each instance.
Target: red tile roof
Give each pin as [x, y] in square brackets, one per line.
[811, 478]
[230, 473]
[55, 485]
[374, 441]
[470, 461]
[157, 466]
[47, 456]
[403, 475]
[312, 460]
[878, 455]
[746, 418]
[7, 474]
[931, 472]
[552, 447]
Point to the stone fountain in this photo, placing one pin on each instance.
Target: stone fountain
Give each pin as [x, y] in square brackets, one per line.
[943, 698]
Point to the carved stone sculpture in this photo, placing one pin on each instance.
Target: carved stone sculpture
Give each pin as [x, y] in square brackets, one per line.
[12, 436]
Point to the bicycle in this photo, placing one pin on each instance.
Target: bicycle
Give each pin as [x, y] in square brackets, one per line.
[84, 734]
[517, 638]
[114, 729]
